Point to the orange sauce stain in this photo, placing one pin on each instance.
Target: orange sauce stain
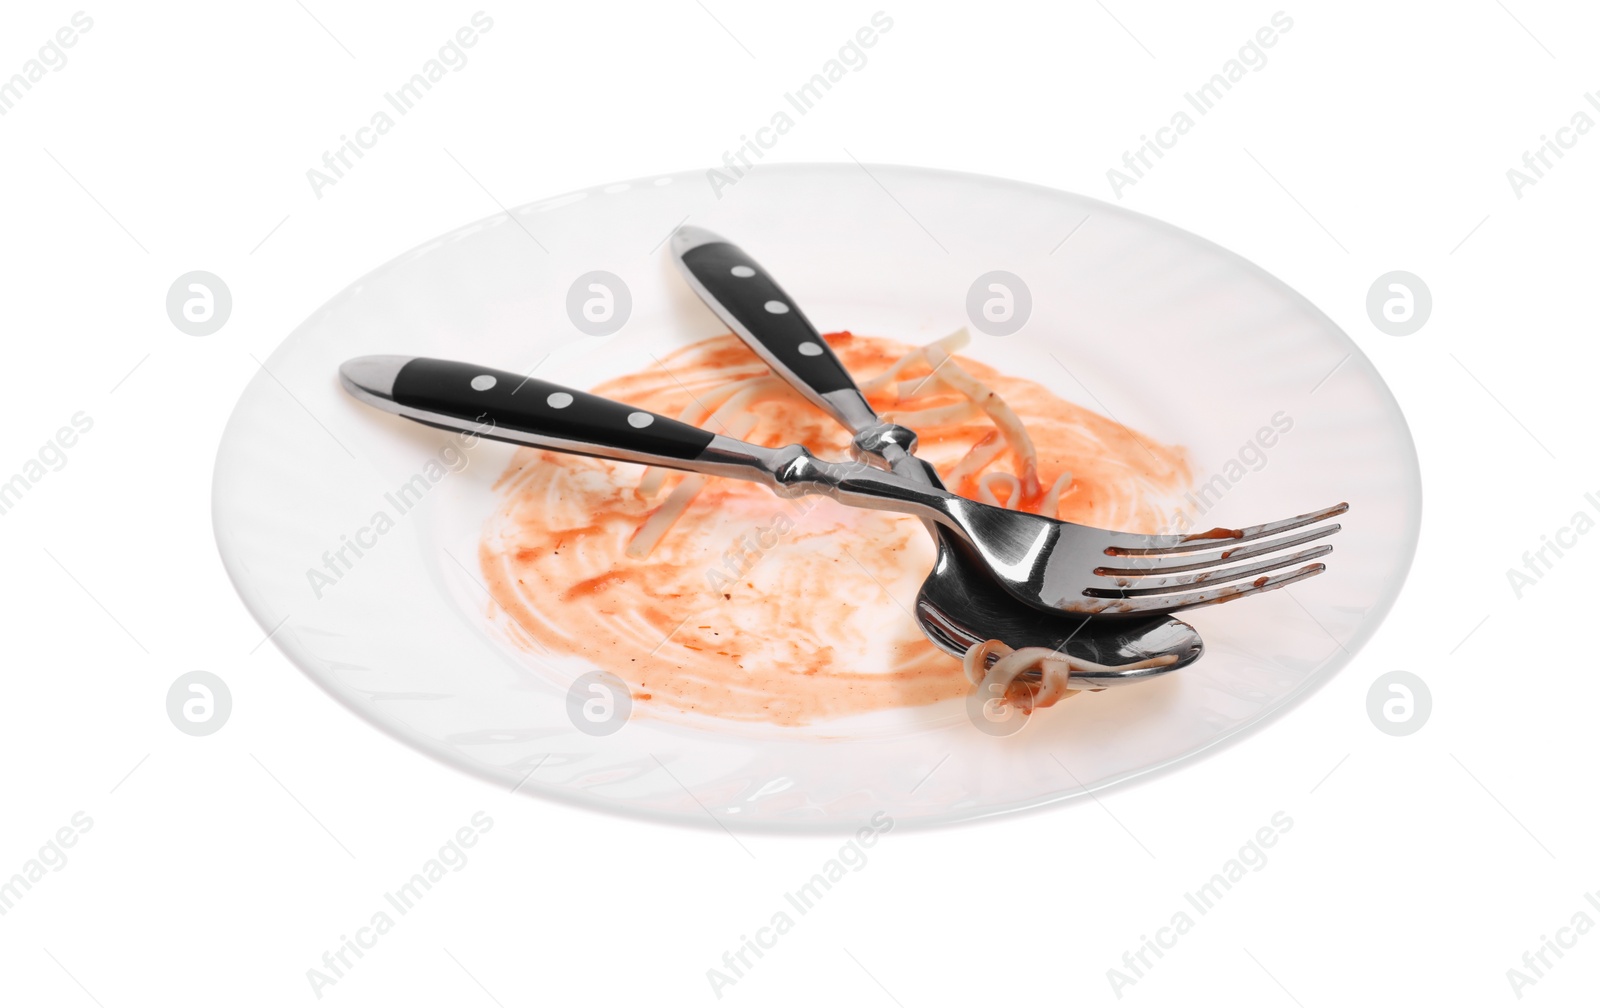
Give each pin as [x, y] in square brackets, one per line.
[757, 609]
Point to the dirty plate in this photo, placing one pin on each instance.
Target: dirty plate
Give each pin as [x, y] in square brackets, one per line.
[358, 532]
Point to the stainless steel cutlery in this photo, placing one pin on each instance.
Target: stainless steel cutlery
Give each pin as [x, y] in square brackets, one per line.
[1026, 579]
[1043, 562]
[959, 604]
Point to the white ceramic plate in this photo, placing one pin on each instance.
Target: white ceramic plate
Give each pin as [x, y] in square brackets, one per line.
[1166, 332]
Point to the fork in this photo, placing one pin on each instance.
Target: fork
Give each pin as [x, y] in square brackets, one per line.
[1044, 562]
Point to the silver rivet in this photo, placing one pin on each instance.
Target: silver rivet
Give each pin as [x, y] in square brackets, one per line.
[483, 382]
[810, 349]
[742, 271]
[776, 307]
[641, 419]
[559, 400]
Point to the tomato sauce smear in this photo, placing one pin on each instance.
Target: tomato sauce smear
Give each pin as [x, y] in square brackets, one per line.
[789, 612]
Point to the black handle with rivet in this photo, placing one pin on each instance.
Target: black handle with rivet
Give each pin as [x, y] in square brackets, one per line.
[510, 407]
[751, 303]
[505, 406]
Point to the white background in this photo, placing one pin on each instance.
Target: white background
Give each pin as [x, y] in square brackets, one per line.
[219, 869]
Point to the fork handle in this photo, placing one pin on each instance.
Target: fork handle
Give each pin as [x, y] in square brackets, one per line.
[501, 401]
[504, 406]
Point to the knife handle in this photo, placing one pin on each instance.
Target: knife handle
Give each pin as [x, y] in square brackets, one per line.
[751, 303]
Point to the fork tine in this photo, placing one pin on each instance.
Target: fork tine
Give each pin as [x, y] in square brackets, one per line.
[1158, 545]
[1180, 562]
[1211, 596]
[1130, 587]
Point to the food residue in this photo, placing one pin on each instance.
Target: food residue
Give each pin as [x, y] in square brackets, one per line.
[714, 597]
